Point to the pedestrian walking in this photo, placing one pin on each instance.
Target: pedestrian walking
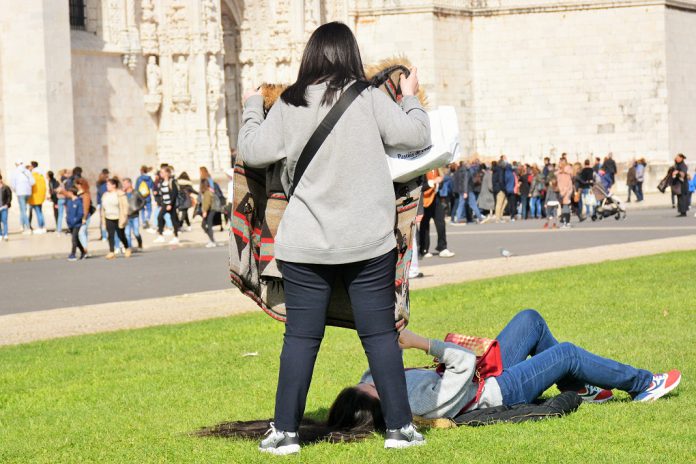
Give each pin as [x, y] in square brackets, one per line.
[22, 183]
[5, 204]
[186, 199]
[564, 181]
[536, 192]
[75, 220]
[680, 184]
[145, 185]
[57, 195]
[166, 196]
[631, 181]
[640, 178]
[88, 210]
[552, 202]
[135, 204]
[499, 188]
[115, 216]
[37, 198]
[207, 213]
[101, 186]
[486, 199]
[433, 209]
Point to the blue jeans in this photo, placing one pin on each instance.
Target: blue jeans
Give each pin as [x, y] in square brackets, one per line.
[61, 211]
[133, 227]
[473, 205]
[3, 222]
[563, 364]
[535, 207]
[146, 212]
[23, 217]
[38, 210]
[460, 205]
[523, 207]
[167, 217]
[589, 207]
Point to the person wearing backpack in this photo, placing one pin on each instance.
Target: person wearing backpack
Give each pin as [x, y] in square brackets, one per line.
[167, 195]
[135, 204]
[207, 213]
[327, 231]
[144, 185]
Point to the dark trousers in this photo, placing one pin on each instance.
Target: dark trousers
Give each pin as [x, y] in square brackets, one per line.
[172, 215]
[436, 212]
[207, 225]
[75, 233]
[112, 229]
[370, 286]
[512, 205]
[184, 219]
[683, 201]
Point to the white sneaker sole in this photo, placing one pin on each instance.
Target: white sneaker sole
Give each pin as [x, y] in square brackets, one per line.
[282, 451]
[401, 444]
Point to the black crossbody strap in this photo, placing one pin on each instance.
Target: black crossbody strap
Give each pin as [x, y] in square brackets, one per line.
[324, 129]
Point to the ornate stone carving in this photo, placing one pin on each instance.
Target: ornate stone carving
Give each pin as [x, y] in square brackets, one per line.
[148, 29]
[213, 29]
[179, 40]
[181, 99]
[153, 75]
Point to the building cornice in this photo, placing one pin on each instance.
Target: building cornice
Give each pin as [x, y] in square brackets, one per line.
[481, 9]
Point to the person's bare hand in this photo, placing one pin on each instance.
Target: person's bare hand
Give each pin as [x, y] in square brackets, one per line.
[409, 85]
[250, 93]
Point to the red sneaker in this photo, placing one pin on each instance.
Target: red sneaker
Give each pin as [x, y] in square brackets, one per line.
[660, 386]
[592, 394]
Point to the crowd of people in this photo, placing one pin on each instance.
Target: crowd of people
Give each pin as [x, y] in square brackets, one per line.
[157, 202]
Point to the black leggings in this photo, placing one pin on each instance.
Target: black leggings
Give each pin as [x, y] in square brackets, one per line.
[370, 286]
[172, 215]
[75, 233]
[112, 229]
[184, 219]
[436, 212]
[207, 225]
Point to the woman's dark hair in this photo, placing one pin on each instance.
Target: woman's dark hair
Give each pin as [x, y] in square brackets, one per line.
[353, 416]
[331, 56]
[184, 175]
[50, 175]
[115, 182]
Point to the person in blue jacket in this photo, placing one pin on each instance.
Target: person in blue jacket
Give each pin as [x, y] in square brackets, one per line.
[74, 206]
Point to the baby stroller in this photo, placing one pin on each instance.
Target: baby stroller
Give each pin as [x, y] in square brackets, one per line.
[607, 204]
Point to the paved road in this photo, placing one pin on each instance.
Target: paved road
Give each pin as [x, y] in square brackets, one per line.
[49, 284]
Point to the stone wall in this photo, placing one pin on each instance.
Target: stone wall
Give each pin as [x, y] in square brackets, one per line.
[112, 127]
[681, 83]
[585, 82]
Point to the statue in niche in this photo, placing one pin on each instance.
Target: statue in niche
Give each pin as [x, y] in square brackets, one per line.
[154, 76]
[180, 94]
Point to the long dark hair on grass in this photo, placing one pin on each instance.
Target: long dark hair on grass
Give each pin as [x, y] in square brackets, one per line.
[354, 416]
[331, 56]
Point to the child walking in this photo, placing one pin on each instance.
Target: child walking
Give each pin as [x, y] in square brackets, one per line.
[552, 202]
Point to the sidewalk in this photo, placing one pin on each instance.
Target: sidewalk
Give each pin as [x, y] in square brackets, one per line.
[31, 247]
[51, 245]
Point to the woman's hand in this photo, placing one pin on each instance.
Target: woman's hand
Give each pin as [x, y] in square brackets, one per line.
[250, 93]
[409, 85]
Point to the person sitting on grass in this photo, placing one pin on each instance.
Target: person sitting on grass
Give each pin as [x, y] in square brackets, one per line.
[522, 381]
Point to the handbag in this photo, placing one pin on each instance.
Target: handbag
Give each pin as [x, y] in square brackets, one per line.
[259, 202]
[489, 362]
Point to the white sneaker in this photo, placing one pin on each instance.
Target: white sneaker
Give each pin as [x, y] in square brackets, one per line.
[211, 245]
[405, 437]
[174, 241]
[26, 232]
[159, 239]
[150, 230]
[446, 253]
[40, 231]
[428, 255]
[280, 443]
[168, 232]
[188, 229]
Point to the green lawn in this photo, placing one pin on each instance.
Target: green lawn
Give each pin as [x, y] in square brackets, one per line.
[134, 396]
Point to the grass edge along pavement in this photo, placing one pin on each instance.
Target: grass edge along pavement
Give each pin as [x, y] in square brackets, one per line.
[135, 395]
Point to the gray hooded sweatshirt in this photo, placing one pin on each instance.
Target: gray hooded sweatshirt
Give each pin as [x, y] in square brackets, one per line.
[343, 209]
[432, 396]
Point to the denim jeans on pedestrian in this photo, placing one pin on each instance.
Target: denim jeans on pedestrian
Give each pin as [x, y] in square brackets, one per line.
[564, 364]
[133, 229]
[523, 207]
[146, 212]
[38, 210]
[473, 205]
[23, 215]
[370, 286]
[587, 203]
[639, 191]
[535, 207]
[3, 222]
[61, 212]
[460, 207]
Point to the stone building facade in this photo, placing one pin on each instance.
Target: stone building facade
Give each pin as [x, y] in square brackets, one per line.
[120, 83]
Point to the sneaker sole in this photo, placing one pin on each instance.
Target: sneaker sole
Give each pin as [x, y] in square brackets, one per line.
[597, 401]
[663, 393]
[282, 451]
[401, 444]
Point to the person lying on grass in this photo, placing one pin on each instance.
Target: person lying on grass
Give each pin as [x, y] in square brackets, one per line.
[565, 365]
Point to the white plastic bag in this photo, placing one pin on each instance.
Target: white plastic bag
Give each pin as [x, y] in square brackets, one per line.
[445, 147]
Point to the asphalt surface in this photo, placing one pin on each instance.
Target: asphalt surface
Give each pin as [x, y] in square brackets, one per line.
[49, 284]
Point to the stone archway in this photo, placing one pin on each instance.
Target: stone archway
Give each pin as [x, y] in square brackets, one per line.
[232, 11]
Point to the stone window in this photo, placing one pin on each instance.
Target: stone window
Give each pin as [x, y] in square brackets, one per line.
[77, 15]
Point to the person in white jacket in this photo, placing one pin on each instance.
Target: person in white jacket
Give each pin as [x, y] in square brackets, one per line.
[22, 181]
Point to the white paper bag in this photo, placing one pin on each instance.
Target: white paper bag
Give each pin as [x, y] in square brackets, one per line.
[444, 128]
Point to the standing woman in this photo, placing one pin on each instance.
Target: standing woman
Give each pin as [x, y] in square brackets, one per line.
[207, 213]
[564, 178]
[115, 214]
[326, 233]
[486, 200]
